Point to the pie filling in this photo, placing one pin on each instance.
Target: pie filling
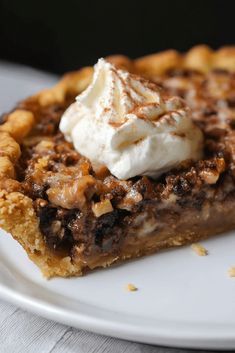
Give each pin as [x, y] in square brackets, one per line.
[88, 212]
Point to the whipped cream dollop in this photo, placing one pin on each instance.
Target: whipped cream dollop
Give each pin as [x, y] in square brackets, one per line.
[122, 121]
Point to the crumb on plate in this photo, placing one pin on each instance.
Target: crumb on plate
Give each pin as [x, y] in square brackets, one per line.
[199, 249]
[131, 287]
[231, 272]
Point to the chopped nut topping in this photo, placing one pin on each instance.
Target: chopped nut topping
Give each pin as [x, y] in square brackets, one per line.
[130, 200]
[44, 146]
[131, 287]
[220, 165]
[102, 207]
[42, 163]
[71, 194]
[199, 249]
[42, 203]
[210, 177]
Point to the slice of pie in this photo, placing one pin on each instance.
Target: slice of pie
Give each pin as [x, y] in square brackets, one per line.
[132, 167]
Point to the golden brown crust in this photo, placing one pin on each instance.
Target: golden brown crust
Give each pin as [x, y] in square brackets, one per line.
[156, 64]
[17, 214]
[18, 124]
[9, 147]
[72, 82]
[121, 61]
[17, 217]
[199, 58]
[7, 169]
[224, 58]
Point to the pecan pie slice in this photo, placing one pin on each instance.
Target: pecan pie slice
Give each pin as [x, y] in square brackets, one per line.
[71, 216]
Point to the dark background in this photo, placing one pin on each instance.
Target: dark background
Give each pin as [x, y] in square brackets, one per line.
[64, 35]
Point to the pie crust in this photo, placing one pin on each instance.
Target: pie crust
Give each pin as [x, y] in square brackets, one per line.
[111, 220]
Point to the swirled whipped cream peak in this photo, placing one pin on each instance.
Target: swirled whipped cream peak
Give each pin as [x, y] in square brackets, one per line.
[122, 121]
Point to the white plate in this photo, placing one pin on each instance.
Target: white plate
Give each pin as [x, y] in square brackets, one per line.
[183, 300]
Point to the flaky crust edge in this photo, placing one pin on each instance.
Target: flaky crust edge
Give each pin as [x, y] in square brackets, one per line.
[17, 215]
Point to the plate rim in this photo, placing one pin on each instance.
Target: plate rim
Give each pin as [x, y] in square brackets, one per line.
[222, 337]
